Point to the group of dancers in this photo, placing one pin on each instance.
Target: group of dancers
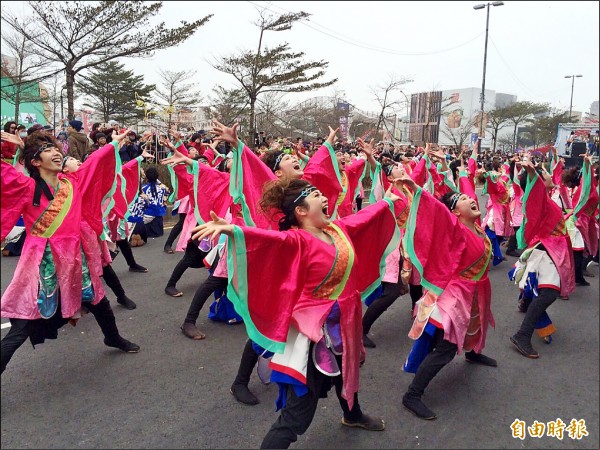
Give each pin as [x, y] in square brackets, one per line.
[282, 239]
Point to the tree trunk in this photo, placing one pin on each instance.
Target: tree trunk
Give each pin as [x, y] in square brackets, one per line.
[70, 75]
[17, 103]
[252, 131]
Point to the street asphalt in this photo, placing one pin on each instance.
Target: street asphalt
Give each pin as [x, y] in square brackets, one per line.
[77, 393]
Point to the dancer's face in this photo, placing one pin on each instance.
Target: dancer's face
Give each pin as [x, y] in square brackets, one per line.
[315, 212]
[466, 208]
[72, 165]
[50, 160]
[289, 167]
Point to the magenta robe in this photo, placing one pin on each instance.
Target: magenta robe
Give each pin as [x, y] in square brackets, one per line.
[543, 222]
[585, 203]
[456, 285]
[497, 189]
[305, 279]
[249, 174]
[67, 234]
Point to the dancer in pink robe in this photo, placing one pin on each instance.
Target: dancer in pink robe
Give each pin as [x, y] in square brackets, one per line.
[547, 261]
[309, 314]
[454, 312]
[59, 268]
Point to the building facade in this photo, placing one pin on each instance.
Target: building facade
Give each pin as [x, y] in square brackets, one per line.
[453, 117]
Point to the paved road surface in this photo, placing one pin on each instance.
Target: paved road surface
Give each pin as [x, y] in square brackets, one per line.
[77, 393]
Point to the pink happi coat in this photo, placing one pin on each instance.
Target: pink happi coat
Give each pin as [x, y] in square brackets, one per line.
[498, 205]
[306, 276]
[457, 290]
[72, 221]
[339, 186]
[250, 174]
[585, 201]
[543, 222]
[116, 208]
[207, 189]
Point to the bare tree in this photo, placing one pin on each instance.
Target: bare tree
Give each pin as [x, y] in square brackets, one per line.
[498, 119]
[175, 94]
[227, 105]
[24, 69]
[461, 135]
[55, 85]
[68, 35]
[275, 69]
[521, 113]
[385, 96]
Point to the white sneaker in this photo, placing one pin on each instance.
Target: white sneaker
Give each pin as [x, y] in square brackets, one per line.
[590, 264]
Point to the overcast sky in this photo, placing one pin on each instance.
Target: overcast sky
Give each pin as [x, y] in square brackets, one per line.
[439, 45]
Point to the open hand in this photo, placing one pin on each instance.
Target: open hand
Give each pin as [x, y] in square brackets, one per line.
[213, 228]
[13, 139]
[226, 134]
[176, 158]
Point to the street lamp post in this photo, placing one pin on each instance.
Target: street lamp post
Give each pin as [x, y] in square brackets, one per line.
[487, 25]
[572, 86]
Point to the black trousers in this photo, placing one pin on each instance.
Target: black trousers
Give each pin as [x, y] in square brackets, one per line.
[247, 363]
[578, 263]
[359, 201]
[391, 291]
[125, 248]
[297, 415]
[512, 241]
[175, 230]
[443, 352]
[536, 308]
[112, 281]
[22, 329]
[416, 292]
[204, 291]
[193, 257]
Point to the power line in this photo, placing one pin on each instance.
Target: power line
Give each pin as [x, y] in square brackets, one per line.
[348, 40]
[511, 71]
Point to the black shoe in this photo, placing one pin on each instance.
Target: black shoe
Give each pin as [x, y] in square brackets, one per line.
[138, 268]
[243, 395]
[515, 253]
[417, 407]
[114, 254]
[366, 423]
[173, 291]
[478, 358]
[368, 342]
[126, 302]
[169, 250]
[524, 348]
[582, 282]
[122, 344]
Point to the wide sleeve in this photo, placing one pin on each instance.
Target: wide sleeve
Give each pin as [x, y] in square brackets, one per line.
[210, 192]
[128, 186]
[434, 241]
[374, 235]
[17, 192]
[266, 272]
[356, 172]
[248, 176]
[97, 178]
[322, 171]
[472, 166]
[542, 217]
[587, 200]
[465, 186]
